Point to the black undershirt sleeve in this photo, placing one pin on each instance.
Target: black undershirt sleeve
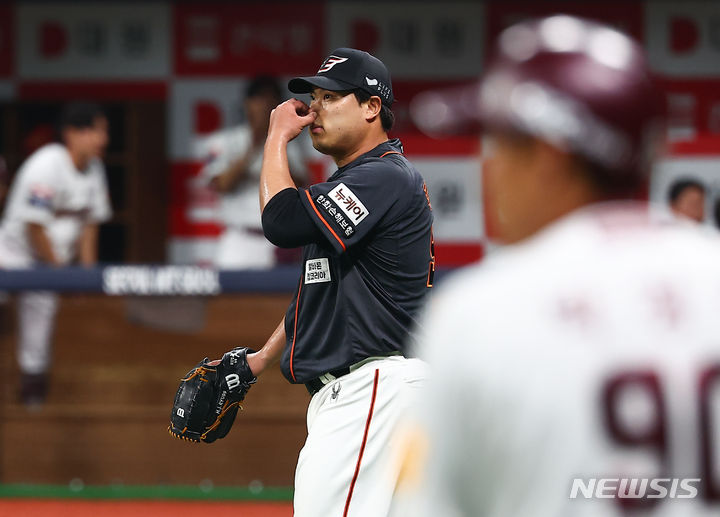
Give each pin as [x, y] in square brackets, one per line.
[286, 223]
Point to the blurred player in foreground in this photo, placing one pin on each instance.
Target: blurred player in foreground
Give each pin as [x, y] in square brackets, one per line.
[234, 157]
[687, 199]
[583, 359]
[56, 201]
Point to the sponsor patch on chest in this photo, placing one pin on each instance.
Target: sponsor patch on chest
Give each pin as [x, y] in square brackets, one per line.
[317, 270]
[349, 203]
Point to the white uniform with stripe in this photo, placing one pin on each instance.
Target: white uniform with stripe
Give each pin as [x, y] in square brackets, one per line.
[50, 191]
[590, 352]
[350, 423]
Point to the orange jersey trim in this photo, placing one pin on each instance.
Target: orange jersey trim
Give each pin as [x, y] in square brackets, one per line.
[324, 221]
[390, 152]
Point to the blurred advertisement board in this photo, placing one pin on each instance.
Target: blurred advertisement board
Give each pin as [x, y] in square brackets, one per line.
[88, 40]
[248, 38]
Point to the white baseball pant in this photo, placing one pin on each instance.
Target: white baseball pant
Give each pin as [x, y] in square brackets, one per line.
[36, 312]
[346, 467]
[36, 322]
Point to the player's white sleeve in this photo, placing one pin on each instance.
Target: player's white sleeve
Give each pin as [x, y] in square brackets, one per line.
[212, 152]
[219, 150]
[37, 188]
[100, 209]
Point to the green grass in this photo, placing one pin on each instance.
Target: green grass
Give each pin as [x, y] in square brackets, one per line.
[76, 490]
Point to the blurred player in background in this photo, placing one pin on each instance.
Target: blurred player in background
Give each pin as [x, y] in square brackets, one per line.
[586, 353]
[56, 201]
[687, 199]
[234, 157]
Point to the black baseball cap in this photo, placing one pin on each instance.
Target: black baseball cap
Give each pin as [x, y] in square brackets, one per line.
[348, 69]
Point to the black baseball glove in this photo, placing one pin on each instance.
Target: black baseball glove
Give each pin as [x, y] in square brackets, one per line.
[209, 396]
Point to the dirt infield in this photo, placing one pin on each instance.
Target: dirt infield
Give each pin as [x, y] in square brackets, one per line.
[65, 508]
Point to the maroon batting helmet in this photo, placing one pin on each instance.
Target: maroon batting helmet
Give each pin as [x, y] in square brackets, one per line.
[579, 85]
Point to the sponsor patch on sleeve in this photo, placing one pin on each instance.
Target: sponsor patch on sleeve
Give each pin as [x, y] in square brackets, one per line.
[41, 196]
[317, 270]
[348, 203]
[336, 214]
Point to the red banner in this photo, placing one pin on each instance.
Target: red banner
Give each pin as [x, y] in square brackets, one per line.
[183, 198]
[682, 38]
[249, 38]
[694, 107]
[96, 90]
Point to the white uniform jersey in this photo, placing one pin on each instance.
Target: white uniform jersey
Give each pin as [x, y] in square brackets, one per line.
[240, 208]
[579, 363]
[50, 191]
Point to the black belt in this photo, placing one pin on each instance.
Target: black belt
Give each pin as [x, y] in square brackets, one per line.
[316, 384]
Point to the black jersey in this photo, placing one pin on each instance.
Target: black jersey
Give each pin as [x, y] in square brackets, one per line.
[362, 287]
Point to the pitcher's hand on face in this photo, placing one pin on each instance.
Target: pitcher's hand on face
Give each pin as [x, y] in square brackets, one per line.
[288, 119]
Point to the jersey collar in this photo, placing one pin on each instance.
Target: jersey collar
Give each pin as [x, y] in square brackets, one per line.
[393, 145]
